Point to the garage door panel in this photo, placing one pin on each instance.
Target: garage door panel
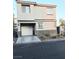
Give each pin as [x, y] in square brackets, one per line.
[26, 30]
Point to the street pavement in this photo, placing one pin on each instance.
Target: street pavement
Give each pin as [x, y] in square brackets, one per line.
[40, 50]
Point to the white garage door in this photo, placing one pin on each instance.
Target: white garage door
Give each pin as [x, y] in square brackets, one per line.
[26, 30]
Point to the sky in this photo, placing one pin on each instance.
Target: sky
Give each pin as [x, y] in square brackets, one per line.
[60, 9]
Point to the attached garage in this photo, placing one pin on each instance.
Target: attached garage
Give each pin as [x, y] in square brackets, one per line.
[27, 29]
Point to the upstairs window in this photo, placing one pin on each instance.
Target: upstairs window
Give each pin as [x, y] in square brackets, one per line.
[26, 9]
[50, 11]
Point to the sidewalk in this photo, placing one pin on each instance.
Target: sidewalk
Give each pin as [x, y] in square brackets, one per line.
[55, 39]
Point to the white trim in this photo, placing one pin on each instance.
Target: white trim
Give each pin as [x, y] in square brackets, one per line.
[27, 22]
[45, 29]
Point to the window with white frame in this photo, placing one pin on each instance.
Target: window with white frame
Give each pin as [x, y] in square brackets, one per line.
[26, 9]
[50, 11]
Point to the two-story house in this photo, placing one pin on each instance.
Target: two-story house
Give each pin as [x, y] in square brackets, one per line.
[36, 19]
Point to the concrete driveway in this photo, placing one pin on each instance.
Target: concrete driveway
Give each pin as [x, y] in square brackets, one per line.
[27, 39]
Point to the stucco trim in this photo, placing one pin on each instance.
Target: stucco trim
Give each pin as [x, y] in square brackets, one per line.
[46, 20]
[26, 20]
[37, 20]
[25, 2]
[46, 5]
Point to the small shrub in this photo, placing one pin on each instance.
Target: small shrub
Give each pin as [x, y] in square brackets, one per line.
[53, 37]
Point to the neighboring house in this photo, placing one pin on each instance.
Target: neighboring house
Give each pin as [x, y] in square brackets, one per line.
[15, 29]
[36, 19]
[61, 30]
[62, 27]
[15, 23]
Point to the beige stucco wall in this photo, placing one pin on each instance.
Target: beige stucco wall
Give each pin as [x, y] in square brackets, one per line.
[45, 25]
[40, 13]
[37, 12]
[49, 25]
